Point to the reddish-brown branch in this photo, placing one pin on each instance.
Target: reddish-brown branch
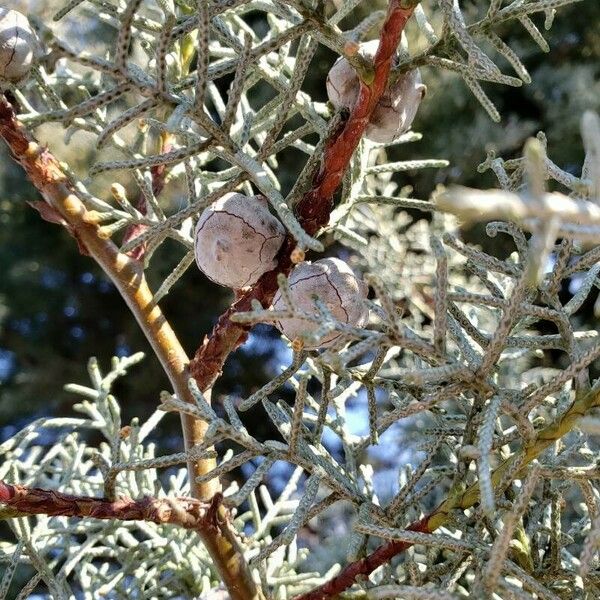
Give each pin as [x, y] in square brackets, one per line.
[314, 208]
[184, 512]
[159, 175]
[363, 567]
[227, 335]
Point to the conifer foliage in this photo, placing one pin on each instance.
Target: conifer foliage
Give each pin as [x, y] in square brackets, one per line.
[477, 368]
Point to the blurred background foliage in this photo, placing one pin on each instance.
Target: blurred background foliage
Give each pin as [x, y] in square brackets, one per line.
[57, 308]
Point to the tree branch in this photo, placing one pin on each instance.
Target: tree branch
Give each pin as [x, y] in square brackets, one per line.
[189, 513]
[315, 206]
[127, 274]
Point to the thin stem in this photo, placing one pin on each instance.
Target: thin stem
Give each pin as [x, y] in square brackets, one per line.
[159, 174]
